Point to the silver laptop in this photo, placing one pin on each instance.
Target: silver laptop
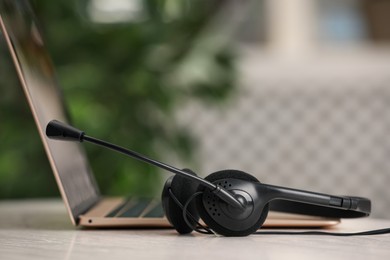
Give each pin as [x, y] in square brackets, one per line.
[68, 160]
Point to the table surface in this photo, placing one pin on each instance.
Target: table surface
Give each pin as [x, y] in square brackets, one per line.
[41, 229]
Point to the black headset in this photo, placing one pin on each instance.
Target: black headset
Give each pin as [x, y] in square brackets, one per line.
[256, 199]
[230, 202]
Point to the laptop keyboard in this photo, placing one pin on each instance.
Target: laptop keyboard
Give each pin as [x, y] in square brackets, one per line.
[135, 208]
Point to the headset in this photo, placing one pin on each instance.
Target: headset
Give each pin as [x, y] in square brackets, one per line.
[230, 202]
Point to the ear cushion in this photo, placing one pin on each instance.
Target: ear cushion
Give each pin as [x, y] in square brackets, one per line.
[182, 188]
[230, 174]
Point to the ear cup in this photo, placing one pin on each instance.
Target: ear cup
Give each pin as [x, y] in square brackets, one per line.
[214, 224]
[182, 188]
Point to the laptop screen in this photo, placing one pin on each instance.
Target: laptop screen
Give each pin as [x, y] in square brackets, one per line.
[68, 161]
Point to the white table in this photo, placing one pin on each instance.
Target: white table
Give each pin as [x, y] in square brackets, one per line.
[41, 229]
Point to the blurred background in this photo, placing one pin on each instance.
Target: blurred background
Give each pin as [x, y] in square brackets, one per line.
[295, 92]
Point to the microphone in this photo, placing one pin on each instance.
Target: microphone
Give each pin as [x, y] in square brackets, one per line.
[60, 131]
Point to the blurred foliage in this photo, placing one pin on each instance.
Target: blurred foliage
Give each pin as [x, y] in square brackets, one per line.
[123, 83]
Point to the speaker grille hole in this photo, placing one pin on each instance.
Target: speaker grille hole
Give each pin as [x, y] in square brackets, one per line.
[212, 206]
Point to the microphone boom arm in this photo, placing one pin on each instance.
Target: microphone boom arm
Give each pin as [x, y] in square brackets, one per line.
[60, 131]
[148, 160]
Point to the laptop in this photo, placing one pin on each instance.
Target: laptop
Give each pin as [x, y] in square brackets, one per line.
[78, 187]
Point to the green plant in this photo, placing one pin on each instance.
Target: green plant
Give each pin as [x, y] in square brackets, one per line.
[123, 83]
